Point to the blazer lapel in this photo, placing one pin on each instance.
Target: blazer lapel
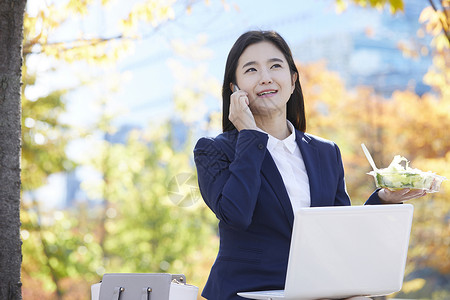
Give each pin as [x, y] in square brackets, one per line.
[312, 163]
[273, 177]
[270, 171]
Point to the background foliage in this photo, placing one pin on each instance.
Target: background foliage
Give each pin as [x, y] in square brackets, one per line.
[137, 226]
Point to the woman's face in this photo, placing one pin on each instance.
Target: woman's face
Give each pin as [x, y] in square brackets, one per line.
[263, 72]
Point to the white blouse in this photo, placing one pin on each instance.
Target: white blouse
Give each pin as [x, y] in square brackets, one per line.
[290, 164]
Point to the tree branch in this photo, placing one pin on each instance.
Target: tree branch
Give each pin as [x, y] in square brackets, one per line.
[444, 23]
[27, 48]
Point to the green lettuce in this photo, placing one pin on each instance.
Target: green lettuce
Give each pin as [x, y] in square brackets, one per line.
[399, 176]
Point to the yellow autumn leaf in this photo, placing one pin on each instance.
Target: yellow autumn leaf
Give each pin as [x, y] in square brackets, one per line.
[413, 285]
[340, 6]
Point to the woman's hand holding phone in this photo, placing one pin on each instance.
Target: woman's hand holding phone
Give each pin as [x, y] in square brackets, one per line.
[240, 114]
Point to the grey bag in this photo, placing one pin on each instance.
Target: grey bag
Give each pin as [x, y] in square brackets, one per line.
[138, 286]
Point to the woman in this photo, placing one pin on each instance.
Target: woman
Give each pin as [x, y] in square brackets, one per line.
[263, 167]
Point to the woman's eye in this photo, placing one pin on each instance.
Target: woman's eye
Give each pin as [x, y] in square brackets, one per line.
[276, 66]
[250, 70]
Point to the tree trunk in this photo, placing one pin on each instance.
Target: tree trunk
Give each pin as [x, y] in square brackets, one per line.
[11, 35]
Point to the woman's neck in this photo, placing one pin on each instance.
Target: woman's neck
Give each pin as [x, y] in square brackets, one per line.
[276, 127]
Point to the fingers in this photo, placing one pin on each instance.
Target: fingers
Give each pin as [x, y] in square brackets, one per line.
[404, 191]
[398, 196]
[239, 98]
[412, 194]
[240, 114]
[245, 98]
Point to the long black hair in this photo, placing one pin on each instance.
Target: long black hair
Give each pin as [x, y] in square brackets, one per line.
[295, 108]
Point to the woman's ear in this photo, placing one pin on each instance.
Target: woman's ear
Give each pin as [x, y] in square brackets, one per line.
[234, 87]
[294, 79]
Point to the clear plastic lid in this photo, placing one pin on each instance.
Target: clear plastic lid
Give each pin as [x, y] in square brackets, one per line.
[399, 175]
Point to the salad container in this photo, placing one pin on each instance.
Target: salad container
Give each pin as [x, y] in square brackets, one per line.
[401, 176]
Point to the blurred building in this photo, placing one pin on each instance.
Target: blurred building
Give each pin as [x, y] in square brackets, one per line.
[371, 56]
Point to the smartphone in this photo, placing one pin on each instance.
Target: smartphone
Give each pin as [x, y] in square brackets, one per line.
[235, 87]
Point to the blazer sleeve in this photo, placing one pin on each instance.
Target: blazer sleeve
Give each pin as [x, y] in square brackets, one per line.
[374, 199]
[230, 184]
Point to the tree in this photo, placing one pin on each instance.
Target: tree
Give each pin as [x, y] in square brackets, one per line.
[76, 246]
[394, 5]
[438, 19]
[11, 30]
[407, 124]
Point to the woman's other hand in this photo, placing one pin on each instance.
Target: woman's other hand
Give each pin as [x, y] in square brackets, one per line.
[391, 197]
[240, 114]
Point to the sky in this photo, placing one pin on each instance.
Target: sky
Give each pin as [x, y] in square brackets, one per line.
[139, 88]
[145, 86]
[218, 29]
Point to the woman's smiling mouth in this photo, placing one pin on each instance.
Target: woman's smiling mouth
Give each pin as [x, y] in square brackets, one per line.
[266, 92]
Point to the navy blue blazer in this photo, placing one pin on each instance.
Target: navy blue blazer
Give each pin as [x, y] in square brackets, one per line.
[241, 184]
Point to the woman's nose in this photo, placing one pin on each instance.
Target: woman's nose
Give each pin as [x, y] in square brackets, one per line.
[265, 77]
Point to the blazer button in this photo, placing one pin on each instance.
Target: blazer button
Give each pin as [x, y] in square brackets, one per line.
[261, 146]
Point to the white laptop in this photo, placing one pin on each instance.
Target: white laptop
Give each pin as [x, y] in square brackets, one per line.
[339, 252]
